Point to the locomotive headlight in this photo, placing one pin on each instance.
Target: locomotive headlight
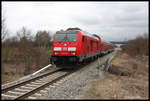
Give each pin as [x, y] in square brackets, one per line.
[56, 53]
[73, 53]
[72, 49]
[57, 48]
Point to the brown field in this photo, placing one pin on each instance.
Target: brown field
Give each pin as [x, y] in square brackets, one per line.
[114, 85]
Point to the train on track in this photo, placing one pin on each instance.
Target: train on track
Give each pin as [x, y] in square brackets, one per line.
[77, 46]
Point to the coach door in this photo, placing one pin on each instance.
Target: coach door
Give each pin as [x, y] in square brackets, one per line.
[86, 45]
[91, 46]
[83, 44]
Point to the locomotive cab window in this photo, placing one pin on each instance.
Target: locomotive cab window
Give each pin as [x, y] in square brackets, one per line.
[66, 36]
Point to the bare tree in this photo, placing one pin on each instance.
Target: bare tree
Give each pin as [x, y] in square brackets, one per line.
[24, 35]
[11, 42]
[25, 47]
[4, 32]
[42, 38]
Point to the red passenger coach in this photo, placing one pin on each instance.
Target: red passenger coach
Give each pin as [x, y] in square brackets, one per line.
[106, 47]
[74, 45]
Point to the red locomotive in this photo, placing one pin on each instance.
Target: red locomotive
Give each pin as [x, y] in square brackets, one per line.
[76, 46]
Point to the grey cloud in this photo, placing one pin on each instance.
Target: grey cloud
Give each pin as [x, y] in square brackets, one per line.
[87, 20]
[111, 20]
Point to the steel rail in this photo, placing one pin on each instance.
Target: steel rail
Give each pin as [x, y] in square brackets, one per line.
[5, 89]
[41, 87]
[29, 93]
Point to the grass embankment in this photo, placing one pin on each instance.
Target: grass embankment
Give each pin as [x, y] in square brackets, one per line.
[128, 73]
[114, 85]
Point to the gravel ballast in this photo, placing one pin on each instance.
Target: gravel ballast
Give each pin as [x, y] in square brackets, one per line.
[73, 86]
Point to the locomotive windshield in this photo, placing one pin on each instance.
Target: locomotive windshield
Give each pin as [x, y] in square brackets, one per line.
[66, 36]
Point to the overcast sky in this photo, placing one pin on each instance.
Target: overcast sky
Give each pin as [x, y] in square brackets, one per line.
[114, 21]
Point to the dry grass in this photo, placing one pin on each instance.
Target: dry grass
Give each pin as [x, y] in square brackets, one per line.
[112, 86]
[105, 88]
[11, 72]
[17, 67]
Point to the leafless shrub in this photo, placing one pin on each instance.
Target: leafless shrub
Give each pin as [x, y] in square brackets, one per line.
[24, 47]
[11, 42]
[42, 38]
[31, 54]
[21, 49]
[137, 46]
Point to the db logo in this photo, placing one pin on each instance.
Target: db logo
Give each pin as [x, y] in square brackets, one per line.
[65, 44]
[65, 49]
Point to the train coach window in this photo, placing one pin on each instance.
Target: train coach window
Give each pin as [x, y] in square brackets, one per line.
[83, 39]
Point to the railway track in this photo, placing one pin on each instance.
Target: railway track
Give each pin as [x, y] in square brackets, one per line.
[34, 87]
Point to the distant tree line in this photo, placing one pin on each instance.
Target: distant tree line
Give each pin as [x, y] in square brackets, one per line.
[24, 35]
[118, 42]
[137, 46]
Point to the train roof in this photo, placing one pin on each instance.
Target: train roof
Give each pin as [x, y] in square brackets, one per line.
[91, 35]
[94, 36]
[86, 33]
[73, 29]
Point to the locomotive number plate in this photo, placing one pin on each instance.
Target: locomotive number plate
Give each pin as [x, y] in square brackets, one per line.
[65, 49]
